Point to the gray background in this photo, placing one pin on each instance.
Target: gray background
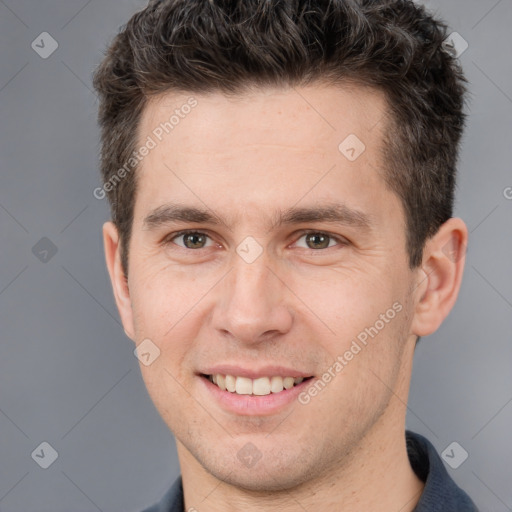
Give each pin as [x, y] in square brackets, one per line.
[67, 372]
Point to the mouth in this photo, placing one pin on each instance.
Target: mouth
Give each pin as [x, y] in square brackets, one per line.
[261, 386]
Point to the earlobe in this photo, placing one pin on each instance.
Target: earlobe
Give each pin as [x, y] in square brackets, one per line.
[440, 276]
[119, 281]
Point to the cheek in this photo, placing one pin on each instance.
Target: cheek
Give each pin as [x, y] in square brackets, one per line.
[163, 296]
[363, 320]
[346, 300]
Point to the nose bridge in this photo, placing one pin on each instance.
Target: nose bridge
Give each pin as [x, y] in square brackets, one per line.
[250, 284]
[251, 303]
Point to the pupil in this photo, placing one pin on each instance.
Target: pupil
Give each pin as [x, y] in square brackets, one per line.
[193, 237]
[318, 238]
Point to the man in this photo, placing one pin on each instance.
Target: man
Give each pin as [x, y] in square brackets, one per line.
[281, 178]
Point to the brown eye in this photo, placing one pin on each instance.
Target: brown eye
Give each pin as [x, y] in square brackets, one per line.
[317, 240]
[191, 239]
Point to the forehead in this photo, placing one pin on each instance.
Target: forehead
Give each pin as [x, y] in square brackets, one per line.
[306, 118]
[266, 146]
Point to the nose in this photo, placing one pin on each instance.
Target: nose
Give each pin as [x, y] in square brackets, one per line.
[253, 304]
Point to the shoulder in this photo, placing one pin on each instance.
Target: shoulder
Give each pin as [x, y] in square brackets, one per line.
[172, 500]
[439, 486]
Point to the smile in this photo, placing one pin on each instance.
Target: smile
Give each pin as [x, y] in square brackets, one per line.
[259, 387]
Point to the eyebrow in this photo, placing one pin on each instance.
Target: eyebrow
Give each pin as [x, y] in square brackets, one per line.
[336, 213]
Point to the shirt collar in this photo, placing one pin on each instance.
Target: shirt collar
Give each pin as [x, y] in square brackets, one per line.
[425, 461]
[439, 486]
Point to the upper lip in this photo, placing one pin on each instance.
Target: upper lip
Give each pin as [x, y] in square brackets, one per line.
[251, 373]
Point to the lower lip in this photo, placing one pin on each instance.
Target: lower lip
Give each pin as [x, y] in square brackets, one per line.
[253, 405]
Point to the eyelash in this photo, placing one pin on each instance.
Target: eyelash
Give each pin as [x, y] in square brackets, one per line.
[168, 240]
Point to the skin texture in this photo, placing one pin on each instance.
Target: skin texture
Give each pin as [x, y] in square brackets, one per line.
[243, 159]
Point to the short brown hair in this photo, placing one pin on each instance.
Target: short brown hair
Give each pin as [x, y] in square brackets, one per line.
[199, 46]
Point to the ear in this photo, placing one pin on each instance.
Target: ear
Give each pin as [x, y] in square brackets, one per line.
[111, 242]
[439, 277]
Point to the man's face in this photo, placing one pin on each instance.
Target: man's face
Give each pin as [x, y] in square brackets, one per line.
[249, 295]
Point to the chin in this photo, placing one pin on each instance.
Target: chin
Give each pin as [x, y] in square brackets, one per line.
[273, 471]
[262, 480]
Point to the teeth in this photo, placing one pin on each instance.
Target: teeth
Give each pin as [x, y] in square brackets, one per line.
[276, 384]
[243, 386]
[261, 386]
[288, 382]
[230, 383]
[221, 382]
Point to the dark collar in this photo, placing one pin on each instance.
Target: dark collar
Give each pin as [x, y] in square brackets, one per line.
[440, 489]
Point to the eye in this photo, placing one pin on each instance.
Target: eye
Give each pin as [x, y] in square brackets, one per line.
[313, 240]
[190, 239]
[319, 240]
